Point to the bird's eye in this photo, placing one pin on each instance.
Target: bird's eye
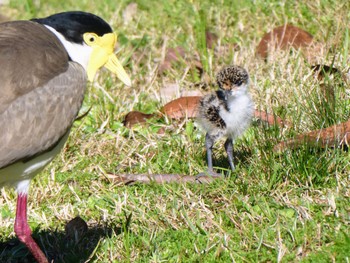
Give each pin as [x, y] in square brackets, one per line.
[90, 38]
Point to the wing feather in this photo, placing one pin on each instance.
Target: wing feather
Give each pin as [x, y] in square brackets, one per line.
[35, 121]
[30, 55]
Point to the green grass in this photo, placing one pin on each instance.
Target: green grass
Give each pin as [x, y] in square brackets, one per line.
[286, 207]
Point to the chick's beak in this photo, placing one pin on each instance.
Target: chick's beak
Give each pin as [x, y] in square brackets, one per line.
[103, 55]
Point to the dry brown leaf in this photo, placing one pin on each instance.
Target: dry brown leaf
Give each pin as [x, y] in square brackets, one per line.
[136, 117]
[269, 118]
[334, 136]
[284, 37]
[181, 107]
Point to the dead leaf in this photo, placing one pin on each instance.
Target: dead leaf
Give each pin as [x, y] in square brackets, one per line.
[136, 117]
[334, 136]
[166, 65]
[269, 118]
[284, 37]
[181, 107]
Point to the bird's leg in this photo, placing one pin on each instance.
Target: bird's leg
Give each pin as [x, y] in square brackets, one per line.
[209, 142]
[23, 231]
[229, 151]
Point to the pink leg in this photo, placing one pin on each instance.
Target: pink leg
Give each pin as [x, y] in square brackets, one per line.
[23, 231]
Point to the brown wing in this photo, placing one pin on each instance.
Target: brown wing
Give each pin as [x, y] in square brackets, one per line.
[30, 55]
[35, 121]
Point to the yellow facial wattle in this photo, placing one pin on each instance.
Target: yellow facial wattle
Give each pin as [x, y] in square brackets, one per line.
[103, 55]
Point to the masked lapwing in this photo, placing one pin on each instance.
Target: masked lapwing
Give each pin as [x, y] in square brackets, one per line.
[226, 112]
[44, 68]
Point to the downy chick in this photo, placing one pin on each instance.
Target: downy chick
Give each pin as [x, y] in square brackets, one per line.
[226, 112]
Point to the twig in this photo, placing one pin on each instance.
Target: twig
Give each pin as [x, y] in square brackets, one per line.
[159, 178]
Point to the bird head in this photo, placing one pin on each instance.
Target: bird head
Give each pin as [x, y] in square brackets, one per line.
[88, 39]
[232, 81]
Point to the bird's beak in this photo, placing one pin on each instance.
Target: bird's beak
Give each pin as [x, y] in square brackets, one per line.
[103, 55]
[114, 65]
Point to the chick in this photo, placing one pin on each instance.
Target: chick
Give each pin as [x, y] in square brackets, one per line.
[226, 112]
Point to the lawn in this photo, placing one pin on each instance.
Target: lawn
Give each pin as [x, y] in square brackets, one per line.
[275, 207]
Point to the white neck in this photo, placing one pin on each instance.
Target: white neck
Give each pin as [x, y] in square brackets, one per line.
[79, 53]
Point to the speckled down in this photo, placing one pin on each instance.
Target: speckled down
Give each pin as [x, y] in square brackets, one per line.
[228, 111]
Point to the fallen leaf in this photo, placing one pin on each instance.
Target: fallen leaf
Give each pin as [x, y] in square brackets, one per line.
[136, 117]
[334, 136]
[166, 65]
[284, 37]
[181, 107]
[269, 118]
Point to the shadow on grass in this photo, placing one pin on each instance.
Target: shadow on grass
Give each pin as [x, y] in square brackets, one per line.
[59, 247]
[240, 157]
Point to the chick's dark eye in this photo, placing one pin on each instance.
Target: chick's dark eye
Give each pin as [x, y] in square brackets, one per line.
[92, 39]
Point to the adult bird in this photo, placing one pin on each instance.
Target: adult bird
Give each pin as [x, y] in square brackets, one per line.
[44, 68]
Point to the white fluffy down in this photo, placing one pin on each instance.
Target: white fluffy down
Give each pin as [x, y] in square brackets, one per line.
[239, 116]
